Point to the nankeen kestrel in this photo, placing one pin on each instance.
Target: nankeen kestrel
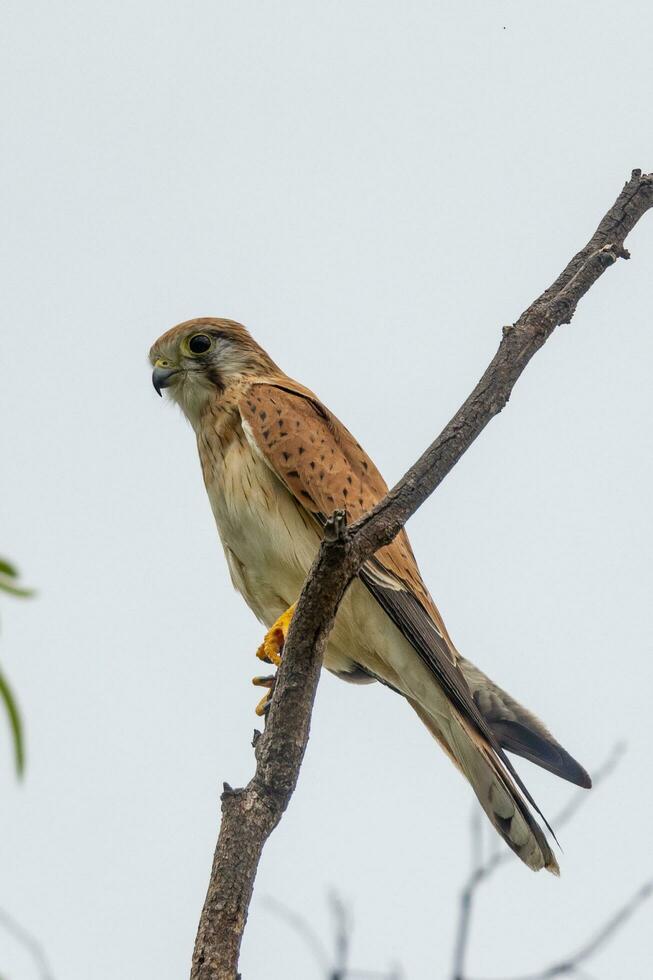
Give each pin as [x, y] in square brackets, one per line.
[276, 463]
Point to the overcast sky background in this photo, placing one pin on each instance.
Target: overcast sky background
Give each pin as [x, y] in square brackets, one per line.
[374, 189]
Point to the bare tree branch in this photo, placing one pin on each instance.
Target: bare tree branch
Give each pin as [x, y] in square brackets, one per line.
[570, 966]
[338, 969]
[482, 870]
[250, 815]
[304, 930]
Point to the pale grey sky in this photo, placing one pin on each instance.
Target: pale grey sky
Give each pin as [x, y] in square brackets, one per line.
[374, 189]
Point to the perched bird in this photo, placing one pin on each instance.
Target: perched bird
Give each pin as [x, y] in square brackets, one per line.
[276, 463]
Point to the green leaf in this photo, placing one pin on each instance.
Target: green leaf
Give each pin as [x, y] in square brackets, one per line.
[6, 568]
[16, 590]
[15, 723]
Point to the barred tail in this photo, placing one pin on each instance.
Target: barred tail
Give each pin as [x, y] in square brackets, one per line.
[495, 788]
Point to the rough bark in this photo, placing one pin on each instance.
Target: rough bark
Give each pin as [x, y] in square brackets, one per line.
[250, 815]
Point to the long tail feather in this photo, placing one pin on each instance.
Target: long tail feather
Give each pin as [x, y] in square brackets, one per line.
[494, 787]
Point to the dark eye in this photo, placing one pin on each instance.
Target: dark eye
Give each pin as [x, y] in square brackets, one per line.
[199, 344]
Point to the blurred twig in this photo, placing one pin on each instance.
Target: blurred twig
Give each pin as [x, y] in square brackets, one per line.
[570, 966]
[342, 937]
[333, 967]
[299, 924]
[28, 941]
[483, 868]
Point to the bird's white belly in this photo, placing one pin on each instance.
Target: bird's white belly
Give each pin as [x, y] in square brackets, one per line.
[268, 541]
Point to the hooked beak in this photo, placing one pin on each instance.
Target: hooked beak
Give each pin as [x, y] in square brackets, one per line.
[162, 377]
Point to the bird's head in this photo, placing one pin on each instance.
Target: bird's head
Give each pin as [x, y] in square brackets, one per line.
[200, 358]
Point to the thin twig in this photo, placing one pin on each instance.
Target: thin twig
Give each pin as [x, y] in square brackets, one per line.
[338, 970]
[598, 777]
[482, 870]
[570, 965]
[299, 924]
[250, 815]
[342, 937]
[26, 939]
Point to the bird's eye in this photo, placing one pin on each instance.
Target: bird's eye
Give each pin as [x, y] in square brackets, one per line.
[199, 344]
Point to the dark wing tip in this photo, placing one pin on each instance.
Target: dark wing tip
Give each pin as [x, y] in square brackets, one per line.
[585, 779]
[572, 770]
[529, 744]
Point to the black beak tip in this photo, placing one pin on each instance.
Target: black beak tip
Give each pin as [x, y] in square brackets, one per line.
[162, 378]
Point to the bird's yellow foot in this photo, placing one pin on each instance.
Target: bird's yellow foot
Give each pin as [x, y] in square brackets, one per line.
[271, 648]
[270, 652]
[264, 703]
